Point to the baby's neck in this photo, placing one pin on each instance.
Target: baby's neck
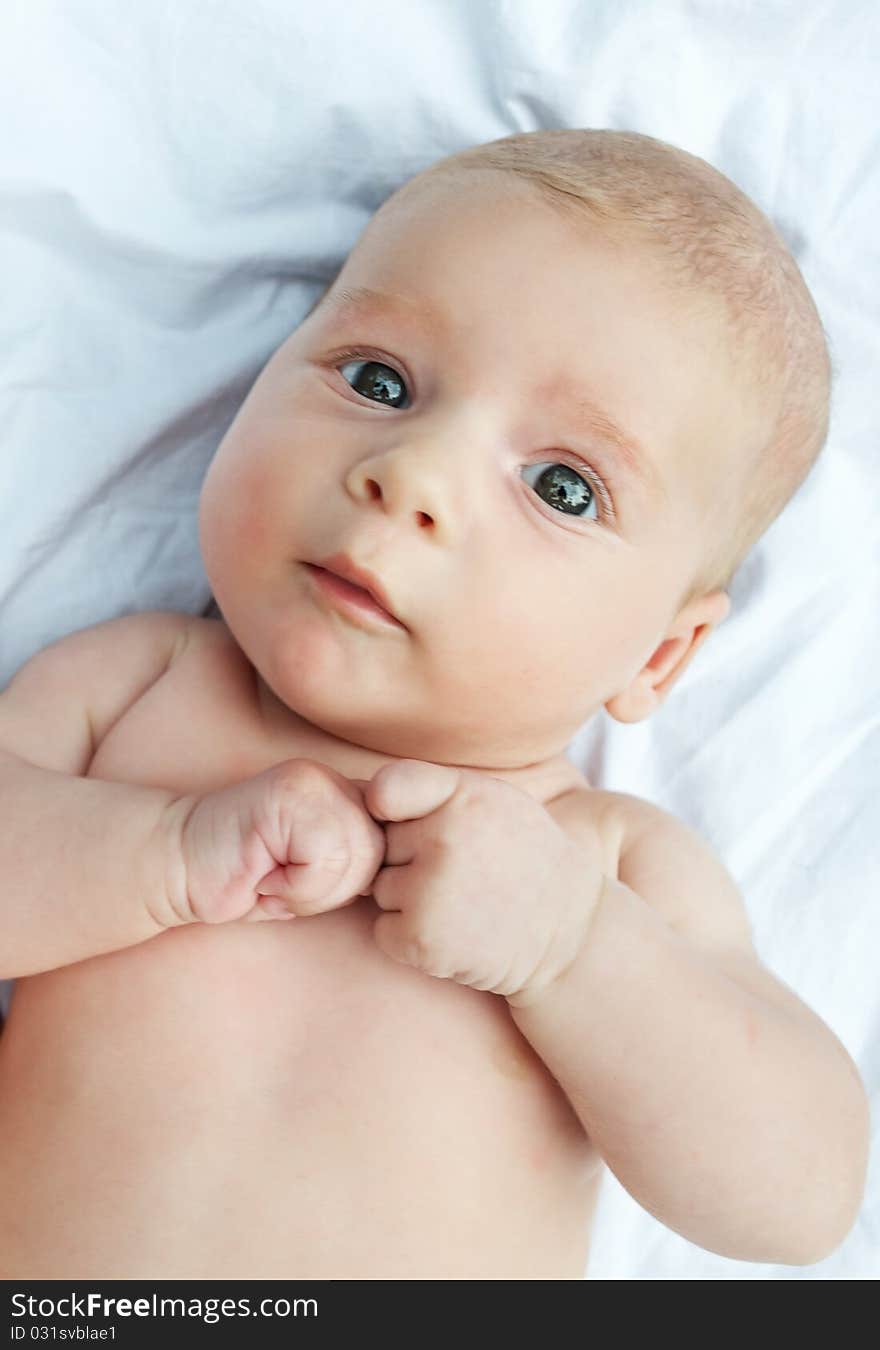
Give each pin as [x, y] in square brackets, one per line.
[542, 780]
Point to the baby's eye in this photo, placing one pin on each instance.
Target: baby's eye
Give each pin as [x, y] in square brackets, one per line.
[375, 380]
[561, 487]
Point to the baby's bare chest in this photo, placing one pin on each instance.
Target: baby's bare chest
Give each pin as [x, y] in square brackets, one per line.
[283, 1081]
[311, 1006]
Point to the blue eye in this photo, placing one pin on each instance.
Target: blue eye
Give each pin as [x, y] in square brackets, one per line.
[561, 487]
[376, 381]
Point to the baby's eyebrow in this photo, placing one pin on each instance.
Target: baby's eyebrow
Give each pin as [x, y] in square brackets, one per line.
[585, 414]
[588, 417]
[363, 299]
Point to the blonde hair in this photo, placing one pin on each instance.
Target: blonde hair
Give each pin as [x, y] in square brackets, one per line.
[718, 241]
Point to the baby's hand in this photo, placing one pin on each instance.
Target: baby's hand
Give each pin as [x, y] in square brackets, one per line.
[480, 885]
[293, 840]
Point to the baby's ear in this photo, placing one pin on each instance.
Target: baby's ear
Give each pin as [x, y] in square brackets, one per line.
[669, 660]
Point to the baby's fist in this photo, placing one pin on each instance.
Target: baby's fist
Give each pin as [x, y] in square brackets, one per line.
[480, 885]
[294, 840]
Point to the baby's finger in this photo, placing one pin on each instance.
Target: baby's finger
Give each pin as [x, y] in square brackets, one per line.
[410, 788]
[310, 887]
[392, 935]
[363, 870]
[267, 908]
[402, 843]
[391, 888]
[366, 846]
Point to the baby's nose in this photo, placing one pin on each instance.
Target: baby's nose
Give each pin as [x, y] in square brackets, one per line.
[409, 484]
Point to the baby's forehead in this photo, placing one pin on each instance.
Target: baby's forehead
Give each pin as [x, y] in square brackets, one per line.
[418, 264]
[522, 239]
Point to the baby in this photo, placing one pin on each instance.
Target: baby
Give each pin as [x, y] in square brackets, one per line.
[496, 480]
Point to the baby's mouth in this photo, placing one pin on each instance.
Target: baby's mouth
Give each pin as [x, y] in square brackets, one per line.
[346, 594]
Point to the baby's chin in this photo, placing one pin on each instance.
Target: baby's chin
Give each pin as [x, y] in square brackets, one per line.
[381, 710]
[388, 734]
[438, 745]
[396, 740]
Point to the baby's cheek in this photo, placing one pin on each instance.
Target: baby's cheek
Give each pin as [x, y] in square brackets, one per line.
[248, 520]
[235, 510]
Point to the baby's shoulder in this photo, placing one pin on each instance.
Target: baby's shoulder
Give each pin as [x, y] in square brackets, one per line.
[666, 862]
[211, 661]
[209, 640]
[590, 817]
[202, 633]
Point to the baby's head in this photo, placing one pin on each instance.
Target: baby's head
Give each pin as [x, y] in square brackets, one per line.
[560, 386]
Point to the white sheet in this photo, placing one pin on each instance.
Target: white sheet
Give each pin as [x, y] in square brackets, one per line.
[177, 182]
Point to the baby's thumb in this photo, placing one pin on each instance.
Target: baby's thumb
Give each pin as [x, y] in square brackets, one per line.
[409, 789]
[269, 907]
[307, 887]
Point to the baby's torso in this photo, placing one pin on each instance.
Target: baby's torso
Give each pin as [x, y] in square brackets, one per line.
[273, 1100]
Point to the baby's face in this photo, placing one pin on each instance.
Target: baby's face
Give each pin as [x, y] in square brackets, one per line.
[520, 433]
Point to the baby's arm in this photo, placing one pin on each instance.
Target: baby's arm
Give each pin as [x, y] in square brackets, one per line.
[724, 1106]
[83, 862]
[89, 867]
[720, 1101]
